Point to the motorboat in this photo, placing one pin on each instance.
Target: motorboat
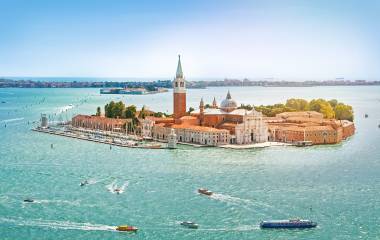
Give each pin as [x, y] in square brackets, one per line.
[189, 224]
[28, 200]
[85, 182]
[205, 191]
[126, 228]
[291, 223]
[117, 190]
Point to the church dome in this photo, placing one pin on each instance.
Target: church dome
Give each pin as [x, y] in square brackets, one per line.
[228, 104]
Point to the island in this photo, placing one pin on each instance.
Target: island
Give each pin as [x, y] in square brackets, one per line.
[229, 125]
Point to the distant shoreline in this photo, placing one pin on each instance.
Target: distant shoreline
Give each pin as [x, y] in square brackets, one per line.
[9, 83]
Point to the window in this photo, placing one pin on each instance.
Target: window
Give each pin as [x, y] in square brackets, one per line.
[182, 84]
[176, 84]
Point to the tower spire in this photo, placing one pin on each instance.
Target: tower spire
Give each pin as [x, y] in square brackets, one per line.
[179, 73]
[228, 95]
[214, 104]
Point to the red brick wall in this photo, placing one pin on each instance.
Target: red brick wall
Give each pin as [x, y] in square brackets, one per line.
[179, 105]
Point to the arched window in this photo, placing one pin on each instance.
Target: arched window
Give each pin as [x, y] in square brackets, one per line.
[176, 84]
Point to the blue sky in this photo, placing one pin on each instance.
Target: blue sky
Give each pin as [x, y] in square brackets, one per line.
[216, 38]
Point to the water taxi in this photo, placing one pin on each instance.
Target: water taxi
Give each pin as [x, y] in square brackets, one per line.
[126, 228]
[205, 191]
[189, 224]
[292, 223]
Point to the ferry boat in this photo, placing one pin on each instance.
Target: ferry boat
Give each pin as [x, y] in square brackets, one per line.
[189, 224]
[205, 191]
[292, 223]
[126, 228]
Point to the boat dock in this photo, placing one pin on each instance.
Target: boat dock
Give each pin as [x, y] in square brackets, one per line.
[104, 138]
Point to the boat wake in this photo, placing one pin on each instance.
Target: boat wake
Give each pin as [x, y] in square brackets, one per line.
[11, 120]
[249, 205]
[57, 202]
[230, 199]
[66, 225]
[113, 188]
[91, 181]
[65, 108]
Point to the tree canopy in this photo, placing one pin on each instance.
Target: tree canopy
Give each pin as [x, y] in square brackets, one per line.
[114, 110]
[329, 109]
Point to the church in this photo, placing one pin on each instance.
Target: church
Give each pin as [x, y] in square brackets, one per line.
[213, 126]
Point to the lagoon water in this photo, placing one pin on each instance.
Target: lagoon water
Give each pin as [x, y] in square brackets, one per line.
[337, 186]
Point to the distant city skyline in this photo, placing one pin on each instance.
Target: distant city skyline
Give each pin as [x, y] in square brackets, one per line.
[291, 40]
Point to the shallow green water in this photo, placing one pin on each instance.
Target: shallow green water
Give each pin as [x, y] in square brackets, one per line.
[337, 186]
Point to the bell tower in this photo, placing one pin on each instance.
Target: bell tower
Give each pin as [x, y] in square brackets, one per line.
[179, 93]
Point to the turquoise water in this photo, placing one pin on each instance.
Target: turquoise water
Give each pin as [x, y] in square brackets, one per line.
[337, 186]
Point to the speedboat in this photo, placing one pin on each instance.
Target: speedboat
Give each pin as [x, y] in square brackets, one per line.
[189, 224]
[28, 200]
[205, 191]
[117, 190]
[126, 228]
[85, 182]
[292, 223]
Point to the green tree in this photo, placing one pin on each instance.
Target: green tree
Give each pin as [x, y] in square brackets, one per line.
[130, 112]
[207, 105]
[98, 111]
[247, 107]
[327, 111]
[322, 106]
[114, 110]
[297, 104]
[108, 109]
[190, 110]
[158, 114]
[333, 103]
[142, 113]
[344, 112]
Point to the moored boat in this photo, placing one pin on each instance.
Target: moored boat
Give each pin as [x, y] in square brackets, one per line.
[292, 223]
[126, 228]
[303, 143]
[205, 191]
[189, 224]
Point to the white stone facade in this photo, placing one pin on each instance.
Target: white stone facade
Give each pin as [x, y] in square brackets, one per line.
[253, 129]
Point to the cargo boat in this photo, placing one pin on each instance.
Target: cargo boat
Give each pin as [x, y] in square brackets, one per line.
[292, 223]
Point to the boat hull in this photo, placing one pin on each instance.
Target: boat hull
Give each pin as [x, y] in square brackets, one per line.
[288, 224]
